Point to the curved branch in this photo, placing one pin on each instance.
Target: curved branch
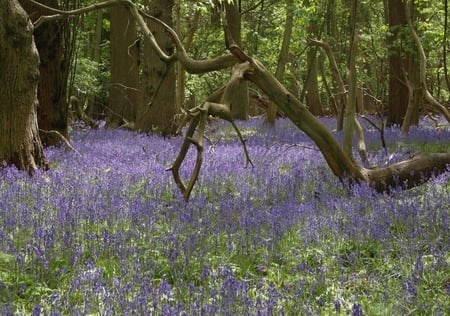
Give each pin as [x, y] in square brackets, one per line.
[190, 65]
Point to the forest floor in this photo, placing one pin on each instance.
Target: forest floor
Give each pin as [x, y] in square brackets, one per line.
[106, 231]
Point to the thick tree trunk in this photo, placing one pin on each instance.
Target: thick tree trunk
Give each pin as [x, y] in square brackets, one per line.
[158, 106]
[19, 76]
[54, 70]
[123, 96]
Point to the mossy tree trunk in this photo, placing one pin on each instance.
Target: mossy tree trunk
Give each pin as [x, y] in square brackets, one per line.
[20, 143]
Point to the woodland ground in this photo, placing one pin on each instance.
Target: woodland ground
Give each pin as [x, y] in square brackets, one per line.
[107, 232]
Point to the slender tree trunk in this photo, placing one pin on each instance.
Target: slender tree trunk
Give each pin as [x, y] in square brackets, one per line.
[158, 105]
[20, 143]
[271, 113]
[54, 70]
[340, 93]
[313, 100]
[350, 109]
[123, 95]
[445, 46]
[93, 109]
[398, 61]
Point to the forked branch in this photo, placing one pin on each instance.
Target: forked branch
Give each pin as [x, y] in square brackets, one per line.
[197, 118]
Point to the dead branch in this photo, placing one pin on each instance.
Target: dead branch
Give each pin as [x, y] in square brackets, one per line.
[61, 136]
[361, 143]
[197, 118]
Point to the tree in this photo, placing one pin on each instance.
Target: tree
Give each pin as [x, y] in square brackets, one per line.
[350, 107]
[399, 54]
[158, 103]
[311, 90]
[123, 95]
[53, 43]
[240, 99]
[20, 143]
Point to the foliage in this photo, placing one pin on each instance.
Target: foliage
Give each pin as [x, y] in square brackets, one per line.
[107, 232]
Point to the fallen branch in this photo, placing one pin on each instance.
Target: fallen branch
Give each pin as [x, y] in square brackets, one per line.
[197, 118]
[61, 136]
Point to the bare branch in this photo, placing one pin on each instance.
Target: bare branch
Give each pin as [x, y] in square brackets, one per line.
[62, 138]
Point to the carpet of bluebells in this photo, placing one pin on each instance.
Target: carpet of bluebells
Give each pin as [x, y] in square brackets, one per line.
[106, 232]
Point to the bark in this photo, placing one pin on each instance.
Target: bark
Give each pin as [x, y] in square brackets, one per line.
[313, 100]
[444, 46]
[123, 95]
[54, 70]
[240, 99]
[407, 173]
[20, 143]
[158, 105]
[398, 61]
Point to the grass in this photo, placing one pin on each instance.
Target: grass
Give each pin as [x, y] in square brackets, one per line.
[108, 233]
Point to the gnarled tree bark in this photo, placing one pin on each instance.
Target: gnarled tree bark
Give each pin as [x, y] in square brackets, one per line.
[20, 143]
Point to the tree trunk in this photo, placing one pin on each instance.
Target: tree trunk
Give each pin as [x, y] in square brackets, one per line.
[350, 108]
[271, 112]
[54, 70]
[20, 143]
[93, 108]
[123, 95]
[313, 100]
[158, 106]
[398, 61]
[240, 102]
